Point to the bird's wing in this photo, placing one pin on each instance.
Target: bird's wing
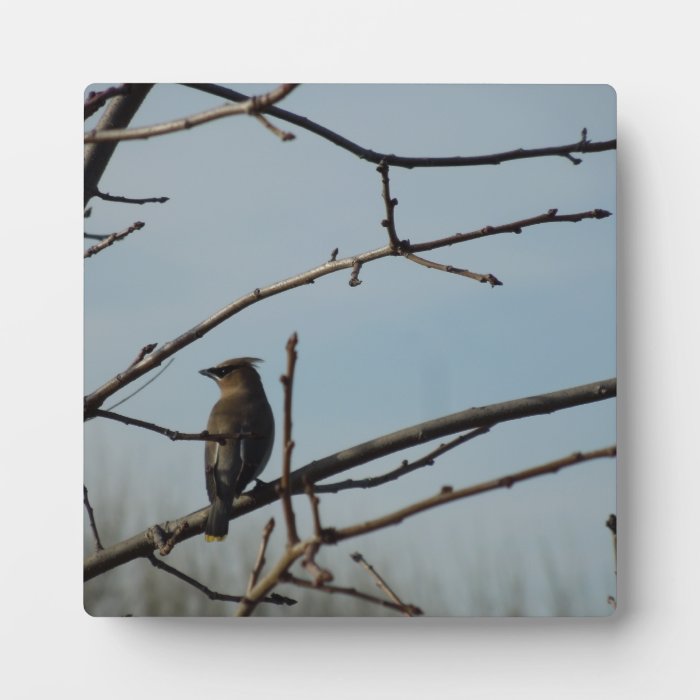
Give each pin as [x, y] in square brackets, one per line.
[211, 458]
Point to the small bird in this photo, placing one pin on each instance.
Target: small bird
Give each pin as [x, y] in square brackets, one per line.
[229, 468]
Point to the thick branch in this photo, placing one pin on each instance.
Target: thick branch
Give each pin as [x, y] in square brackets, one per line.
[118, 114]
[94, 401]
[250, 106]
[142, 544]
[582, 146]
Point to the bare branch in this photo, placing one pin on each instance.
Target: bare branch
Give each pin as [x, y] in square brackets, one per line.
[95, 100]
[270, 580]
[448, 494]
[275, 598]
[144, 385]
[352, 592]
[172, 434]
[407, 610]
[118, 114]
[288, 444]
[582, 146]
[405, 468]
[253, 106]
[390, 204]
[91, 518]
[95, 400]
[516, 227]
[112, 238]
[142, 543]
[284, 135]
[493, 281]
[314, 502]
[260, 561]
[130, 200]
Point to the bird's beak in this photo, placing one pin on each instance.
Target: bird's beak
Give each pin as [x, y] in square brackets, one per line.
[206, 373]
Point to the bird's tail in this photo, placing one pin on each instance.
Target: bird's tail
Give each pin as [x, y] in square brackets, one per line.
[217, 522]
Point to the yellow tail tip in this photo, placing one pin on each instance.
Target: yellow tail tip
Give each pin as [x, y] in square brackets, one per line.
[214, 538]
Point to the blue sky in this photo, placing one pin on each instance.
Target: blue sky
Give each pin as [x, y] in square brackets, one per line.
[407, 345]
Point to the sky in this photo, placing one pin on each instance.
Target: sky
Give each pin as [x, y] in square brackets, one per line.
[407, 345]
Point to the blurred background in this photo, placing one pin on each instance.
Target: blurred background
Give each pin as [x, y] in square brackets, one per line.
[408, 345]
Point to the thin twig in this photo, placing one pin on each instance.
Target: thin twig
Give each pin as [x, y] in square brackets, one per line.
[130, 200]
[382, 584]
[352, 592]
[314, 502]
[112, 238]
[288, 444]
[284, 135]
[97, 397]
[260, 561]
[448, 494]
[91, 518]
[253, 106]
[493, 281]
[390, 204]
[275, 599]
[173, 434]
[320, 575]
[550, 216]
[582, 146]
[405, 468]
[270, 580]
[143, 386]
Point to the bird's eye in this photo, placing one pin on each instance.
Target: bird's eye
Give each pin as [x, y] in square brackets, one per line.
[221, 372]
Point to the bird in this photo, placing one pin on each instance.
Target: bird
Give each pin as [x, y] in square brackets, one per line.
[242, 409]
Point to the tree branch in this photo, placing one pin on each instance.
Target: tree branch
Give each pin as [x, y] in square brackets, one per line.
[95, 100]
[407, 610]
[112, 238]
[172, 434]
[130, 200]
[405, 468]
[352, 592]
[288, 444]
[390, 204]
[275, 598]
[119, 113]
[91, 518]
[94, 400]
[448, 494]
[581, 146]
[143, 543]
[253, 106]
[493, 281]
